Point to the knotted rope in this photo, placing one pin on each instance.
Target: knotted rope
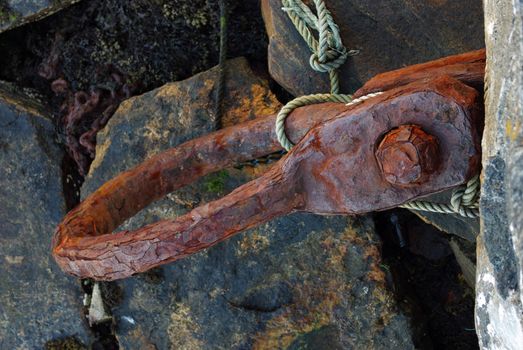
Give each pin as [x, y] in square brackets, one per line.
[328, 54]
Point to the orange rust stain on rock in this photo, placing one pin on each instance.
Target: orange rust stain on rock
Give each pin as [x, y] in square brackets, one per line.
[258, 102]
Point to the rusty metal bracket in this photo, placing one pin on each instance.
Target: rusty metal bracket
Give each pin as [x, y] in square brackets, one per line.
[418, 138]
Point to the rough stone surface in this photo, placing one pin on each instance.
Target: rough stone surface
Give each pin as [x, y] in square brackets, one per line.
[38, 302]
[14, 13]
[499, 278]
[388, 34]
[175, 113]
[298, 281]
[429, 279]
[151, 42]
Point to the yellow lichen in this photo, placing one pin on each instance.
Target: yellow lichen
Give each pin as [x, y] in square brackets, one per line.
[315, 300]
[512, 130]
[253, 241]
[258, 102]
[182, 329]
[313, 309]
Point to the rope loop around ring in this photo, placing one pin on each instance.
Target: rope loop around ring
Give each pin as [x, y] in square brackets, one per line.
[308, 100]
[300, 102]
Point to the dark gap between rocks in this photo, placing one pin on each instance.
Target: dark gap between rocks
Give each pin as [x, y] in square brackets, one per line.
[427, 281]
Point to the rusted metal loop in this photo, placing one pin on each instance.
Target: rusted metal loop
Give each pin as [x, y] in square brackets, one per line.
[322, 174]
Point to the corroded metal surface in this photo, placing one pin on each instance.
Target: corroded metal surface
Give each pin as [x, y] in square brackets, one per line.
[332, 169]
[407, 155]
[468, 68]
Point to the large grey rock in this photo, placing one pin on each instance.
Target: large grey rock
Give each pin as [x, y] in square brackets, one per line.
[298, 281]
[14, 13]
[499, 280]
[389, 34]
[38, 302]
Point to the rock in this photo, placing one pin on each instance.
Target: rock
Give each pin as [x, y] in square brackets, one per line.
[429, 281]
[14, 13]
[389, 36]
[463, 227]
[111, 49]
[499, 278]
[97, 312]
[175, 113]
[39, 303]
[150, 42]
[465, 261]
[296, 281]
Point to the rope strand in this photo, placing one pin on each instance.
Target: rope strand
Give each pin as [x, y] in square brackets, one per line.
[220, 88]
[464, 201]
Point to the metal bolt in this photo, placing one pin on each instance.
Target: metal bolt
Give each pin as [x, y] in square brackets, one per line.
[407, 155]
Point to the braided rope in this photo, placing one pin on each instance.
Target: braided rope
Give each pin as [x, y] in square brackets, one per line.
[364, 98]
[464, 201]
[309, 100]
[328, 52]
[300, 102]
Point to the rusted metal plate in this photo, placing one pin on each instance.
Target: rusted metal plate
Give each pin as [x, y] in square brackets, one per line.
[332, 169]
[339, 170]
[468, 68]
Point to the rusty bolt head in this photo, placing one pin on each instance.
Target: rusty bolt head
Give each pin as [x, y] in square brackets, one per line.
[407, 155]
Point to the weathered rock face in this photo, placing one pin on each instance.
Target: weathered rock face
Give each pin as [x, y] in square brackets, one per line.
[14, 12]
[499, 280]
[151, 42]
[295, 282]
[175, 113]
[38, 302]
[110, 49]
[388, 34]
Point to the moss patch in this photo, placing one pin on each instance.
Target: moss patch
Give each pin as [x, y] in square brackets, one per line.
[215, 183]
